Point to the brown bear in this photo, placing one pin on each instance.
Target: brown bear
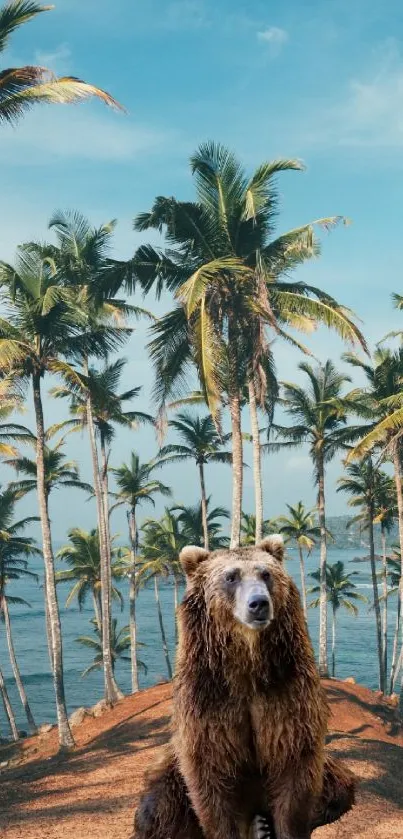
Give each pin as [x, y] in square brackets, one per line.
[250, 714]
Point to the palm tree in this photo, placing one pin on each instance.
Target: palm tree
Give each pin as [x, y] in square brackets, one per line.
[361, 485]
[340, 592]
[299, 527]
[380, 402]
[83, 556]
[160, 559]
[224, 269]
[248, 528]
[22, 87]
[84, 264]
[385, 515]
[320, 415]
[41, 328]
[201, 443]
[8, 708]
[59, 472]
[136, 487]
[15, 550]
[191, 520]
[394, 574]
[120, 643]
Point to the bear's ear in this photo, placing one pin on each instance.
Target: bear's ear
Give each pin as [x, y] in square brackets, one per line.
[190, 557]
[273, 545]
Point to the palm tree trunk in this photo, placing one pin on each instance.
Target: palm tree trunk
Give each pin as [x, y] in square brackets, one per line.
[257, 461]
[131, 518]
[162, 628]
[112, 692]
[237, 470]
[377, 608]
[97, 609]
[384, 609]
[8, 708]
[323, 665]
[48, 629]
[303, 584]
[399, 494]
[203, 505]
[334, 642]
[105, 501]
[15, 668]
[65, 736]
[395, 649]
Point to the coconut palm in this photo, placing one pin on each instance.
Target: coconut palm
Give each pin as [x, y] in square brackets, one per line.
[41, 327]
[22, 87]
[83, 558]
[136, 487]
[360, 483]
[248, 528]
[319, 413]
[299, 527]
[15, 550]
[84, 264]
[340, 593]
[199, 442]
[160, 559]
[59, 472]
[380, 402]
[224, 269]
[120, 643]
[191, 519]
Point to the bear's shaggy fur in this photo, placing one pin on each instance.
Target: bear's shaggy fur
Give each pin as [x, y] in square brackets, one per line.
[250, 714]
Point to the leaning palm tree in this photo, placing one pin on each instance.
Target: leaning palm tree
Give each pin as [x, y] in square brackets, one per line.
[299, 527]
[319, 414]
[15, 551]
[340, 593]
[83, 558]
[361, 484]
[136, 487]
[23, 87]
[120, 643]
[199, 442]
[224, 268]
[191, 519]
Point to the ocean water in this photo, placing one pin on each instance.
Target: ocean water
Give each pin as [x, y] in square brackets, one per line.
[356, 640]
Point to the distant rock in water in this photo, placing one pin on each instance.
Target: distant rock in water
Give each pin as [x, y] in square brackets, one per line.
[351, 537]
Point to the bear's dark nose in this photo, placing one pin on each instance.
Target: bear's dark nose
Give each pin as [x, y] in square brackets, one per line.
[258, 607]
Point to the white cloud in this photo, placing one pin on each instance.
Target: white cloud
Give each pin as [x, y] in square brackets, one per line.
[59, 61]
[370, 116]
[50, 134]
[274, 37]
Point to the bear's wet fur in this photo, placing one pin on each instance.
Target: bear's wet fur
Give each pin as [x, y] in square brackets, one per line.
[250, 714]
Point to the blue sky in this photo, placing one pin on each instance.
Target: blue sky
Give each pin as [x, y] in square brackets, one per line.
[313, 80]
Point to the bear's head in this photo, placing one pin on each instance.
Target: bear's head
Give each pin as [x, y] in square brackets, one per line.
[246, 586]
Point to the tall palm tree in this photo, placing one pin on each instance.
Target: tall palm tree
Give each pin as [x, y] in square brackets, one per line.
[22, 87]
[360, 483]
[381, 403]
[15, 550]
[83, 558]
[299, 527]
[84, 264]
[41, 328]
[136, 487]
[224, 268]
[201, 443]
[120, 643]
[191, 519]
[340, 593]
[320, 415]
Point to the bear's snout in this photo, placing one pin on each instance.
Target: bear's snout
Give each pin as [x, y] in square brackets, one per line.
[259, 606]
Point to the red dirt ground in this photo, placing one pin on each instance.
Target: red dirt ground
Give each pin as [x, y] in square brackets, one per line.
[92, 792]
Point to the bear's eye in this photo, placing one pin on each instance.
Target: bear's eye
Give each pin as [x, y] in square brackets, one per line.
[266, 576]
[231, 576]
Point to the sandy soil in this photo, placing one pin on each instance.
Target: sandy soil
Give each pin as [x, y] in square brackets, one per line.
[92, 792]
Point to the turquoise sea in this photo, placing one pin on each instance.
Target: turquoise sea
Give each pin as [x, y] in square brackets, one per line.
[356, 643]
